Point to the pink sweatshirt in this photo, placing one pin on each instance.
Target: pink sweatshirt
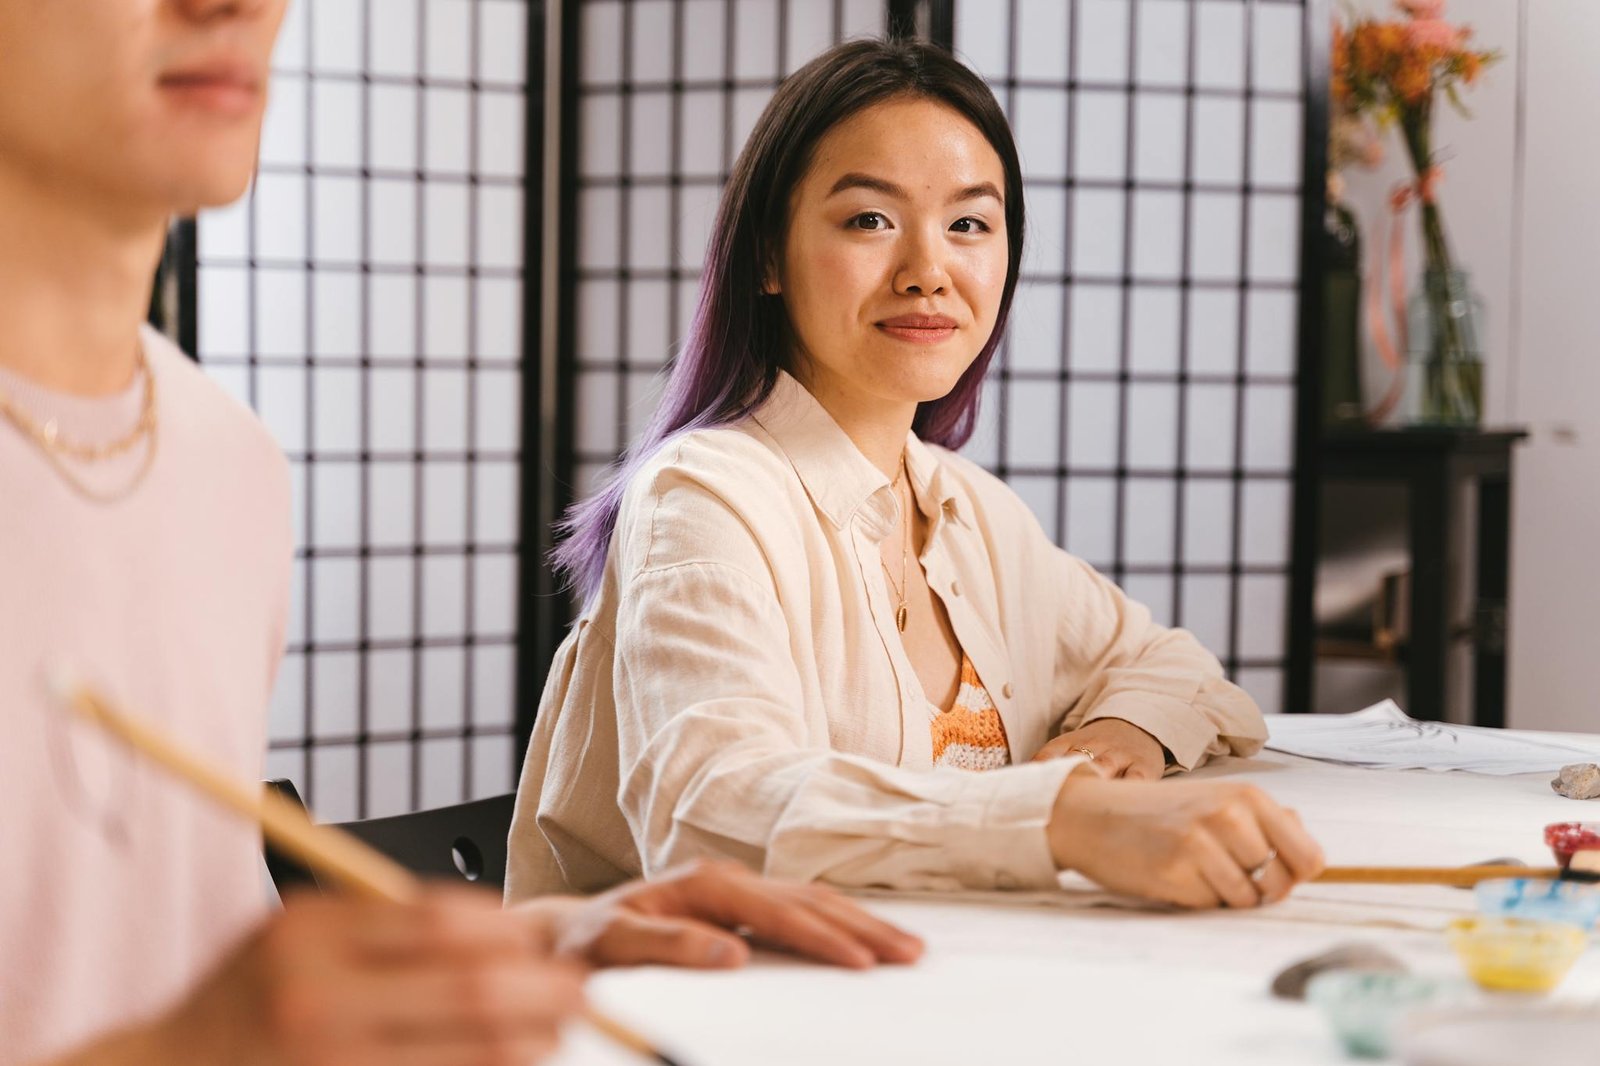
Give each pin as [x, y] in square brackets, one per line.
[118, 887]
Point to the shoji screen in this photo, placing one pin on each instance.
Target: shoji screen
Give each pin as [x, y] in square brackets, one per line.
[667, 91]
[1144, 404]
[366, 300]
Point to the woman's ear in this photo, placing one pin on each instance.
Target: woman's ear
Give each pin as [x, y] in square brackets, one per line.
[770, 283]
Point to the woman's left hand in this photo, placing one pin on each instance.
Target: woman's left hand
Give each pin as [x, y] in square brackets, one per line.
[1121, 749]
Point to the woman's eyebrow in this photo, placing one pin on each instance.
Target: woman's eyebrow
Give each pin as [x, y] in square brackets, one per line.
[978, 192]
[856, 180]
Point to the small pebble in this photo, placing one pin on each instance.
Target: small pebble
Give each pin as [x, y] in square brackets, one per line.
[1580, 781]
[1291, 983]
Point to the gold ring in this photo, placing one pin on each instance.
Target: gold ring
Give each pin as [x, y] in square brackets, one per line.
[1087, 752]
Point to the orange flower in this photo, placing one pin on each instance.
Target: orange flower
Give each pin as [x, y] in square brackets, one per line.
[1413, 81]
[1363, 50]
[1391, 38]
[1471, 66]
[1423, 55]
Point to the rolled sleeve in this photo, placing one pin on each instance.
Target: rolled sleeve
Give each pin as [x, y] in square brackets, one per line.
[1114, 661]
[940, 829]
[1187, 728]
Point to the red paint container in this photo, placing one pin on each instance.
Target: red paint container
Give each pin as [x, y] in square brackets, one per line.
[1566, 839]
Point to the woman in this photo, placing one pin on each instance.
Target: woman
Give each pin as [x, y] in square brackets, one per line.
[144, 537]
[806, 619]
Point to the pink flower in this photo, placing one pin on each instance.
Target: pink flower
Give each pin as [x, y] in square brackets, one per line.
[1422, 9]
[1434, 33]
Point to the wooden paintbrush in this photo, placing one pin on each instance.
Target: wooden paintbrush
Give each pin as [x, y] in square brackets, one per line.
[356, 868]
[1585, 867]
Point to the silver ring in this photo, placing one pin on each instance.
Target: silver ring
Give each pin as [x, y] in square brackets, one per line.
[1087, 752]
[1259, 870]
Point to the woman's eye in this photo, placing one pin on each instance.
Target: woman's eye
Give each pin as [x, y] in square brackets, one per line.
[869, 220]
[970, 225]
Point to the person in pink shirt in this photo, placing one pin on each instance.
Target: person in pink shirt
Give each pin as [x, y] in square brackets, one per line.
[144, 538]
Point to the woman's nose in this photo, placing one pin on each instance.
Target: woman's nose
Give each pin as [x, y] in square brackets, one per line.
[922, 272]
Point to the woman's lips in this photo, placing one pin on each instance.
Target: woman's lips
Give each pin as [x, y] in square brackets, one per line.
[919, 329]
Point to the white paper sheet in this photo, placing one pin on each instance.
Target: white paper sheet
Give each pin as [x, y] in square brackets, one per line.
[1384, 737]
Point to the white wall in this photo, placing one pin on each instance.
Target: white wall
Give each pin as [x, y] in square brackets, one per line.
[1518, 204]
[1555, 381]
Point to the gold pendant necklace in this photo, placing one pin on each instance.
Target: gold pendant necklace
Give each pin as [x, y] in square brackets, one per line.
[902, 613]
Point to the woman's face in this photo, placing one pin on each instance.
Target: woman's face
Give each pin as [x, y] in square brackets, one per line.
[152, 105]
[895, 257]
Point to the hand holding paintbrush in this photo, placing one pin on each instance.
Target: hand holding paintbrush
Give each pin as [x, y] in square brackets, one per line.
[390, 972]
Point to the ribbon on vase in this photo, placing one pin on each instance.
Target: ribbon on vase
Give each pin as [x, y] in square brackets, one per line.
[1392, 349]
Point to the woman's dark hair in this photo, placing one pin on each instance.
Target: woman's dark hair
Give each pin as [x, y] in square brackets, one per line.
[737, 340]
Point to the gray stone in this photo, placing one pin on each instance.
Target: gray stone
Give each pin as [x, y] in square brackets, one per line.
[1291, 983]
[1580, 781]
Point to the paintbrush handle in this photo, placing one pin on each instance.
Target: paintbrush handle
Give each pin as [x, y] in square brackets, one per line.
[1459, 876]
[629, 1039]
[357, 868]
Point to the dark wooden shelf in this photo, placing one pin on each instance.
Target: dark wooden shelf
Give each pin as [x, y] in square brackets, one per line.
[1431, 462]
[1421, 438]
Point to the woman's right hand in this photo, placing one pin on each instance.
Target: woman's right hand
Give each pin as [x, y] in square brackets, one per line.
[452, 978]
[1191, 843]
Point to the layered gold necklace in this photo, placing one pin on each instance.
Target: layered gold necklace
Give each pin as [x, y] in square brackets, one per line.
[60, 451]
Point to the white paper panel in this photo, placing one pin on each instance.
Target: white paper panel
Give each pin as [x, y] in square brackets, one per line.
[385, 227]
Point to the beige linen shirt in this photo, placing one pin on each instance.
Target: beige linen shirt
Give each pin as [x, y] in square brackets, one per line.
[738, 689]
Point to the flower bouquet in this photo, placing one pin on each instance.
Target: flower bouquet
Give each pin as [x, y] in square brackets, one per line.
[1394, 71]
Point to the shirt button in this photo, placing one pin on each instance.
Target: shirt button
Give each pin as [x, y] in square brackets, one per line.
[955, 588]
[1005, 690]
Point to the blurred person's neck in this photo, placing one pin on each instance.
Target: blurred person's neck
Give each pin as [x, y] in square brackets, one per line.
[75, 279]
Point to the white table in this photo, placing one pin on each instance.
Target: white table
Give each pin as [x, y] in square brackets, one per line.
[1050, 979]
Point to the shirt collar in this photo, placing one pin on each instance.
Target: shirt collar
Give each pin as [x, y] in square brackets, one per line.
[837, 477]
[931, 482]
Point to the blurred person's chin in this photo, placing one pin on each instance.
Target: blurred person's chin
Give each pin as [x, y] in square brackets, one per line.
[177, 175]
[197, 152]
[216, 178]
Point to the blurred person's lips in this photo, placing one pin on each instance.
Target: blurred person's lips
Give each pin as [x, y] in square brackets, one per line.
[226, 87]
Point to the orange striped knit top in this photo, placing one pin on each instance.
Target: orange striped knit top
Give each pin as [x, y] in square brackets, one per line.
[969, 734]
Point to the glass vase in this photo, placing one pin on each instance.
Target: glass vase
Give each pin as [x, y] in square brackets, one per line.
[1444, 363]
[1341, 310]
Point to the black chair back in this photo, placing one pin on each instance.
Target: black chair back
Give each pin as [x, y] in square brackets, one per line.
[466, 841]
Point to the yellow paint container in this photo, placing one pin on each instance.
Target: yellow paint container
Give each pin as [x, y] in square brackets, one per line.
[1516, 954]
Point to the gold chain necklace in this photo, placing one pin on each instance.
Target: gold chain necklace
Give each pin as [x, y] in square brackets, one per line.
[901, 613]
[47, 436]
